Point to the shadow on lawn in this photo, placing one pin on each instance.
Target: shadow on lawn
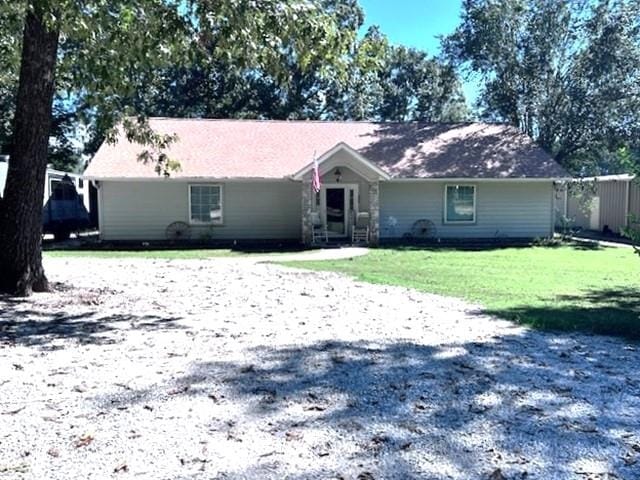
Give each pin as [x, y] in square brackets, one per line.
[477, 245]
[611, 311]
[530, 403]
[39, 327]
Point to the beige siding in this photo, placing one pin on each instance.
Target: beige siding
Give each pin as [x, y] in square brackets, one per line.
[613, 202]
[503, 209]
[634, 200]
[251, 210]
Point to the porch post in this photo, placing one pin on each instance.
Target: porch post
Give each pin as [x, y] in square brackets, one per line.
[307, 208]
[374, 212]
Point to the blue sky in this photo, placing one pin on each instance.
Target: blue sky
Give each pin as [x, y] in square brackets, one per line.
[417, 23]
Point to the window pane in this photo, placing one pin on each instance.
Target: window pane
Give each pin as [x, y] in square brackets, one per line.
[460, 203]
[205, 203]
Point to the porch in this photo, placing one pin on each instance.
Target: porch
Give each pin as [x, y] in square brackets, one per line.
[349, 186]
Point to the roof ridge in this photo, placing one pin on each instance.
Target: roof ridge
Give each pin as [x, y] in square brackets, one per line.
[363, 122]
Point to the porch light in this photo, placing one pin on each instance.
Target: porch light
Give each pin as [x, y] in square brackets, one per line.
[338, 174]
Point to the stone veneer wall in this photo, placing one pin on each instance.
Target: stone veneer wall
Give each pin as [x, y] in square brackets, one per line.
[374, 212]
[308, 206]
[307, 209]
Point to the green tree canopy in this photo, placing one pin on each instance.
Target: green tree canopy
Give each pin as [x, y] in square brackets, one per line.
[566, 73]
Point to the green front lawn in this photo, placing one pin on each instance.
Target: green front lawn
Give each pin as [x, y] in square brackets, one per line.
[160, 254]
[566, 288]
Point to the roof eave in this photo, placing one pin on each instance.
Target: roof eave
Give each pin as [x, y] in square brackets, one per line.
[332, 151]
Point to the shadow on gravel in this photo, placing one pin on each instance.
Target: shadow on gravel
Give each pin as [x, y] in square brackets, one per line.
[531, 403]
[38, 327]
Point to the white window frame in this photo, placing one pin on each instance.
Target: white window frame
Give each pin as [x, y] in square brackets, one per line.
[212, 222]
[475, 204]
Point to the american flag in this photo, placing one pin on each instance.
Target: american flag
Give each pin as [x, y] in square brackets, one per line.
[315, 183]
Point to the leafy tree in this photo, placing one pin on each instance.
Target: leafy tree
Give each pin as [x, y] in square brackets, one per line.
[10, 43]
[101, 50]
[370, 80]
[396, 83]
[566, 73]
[416, 87]
[632, 232]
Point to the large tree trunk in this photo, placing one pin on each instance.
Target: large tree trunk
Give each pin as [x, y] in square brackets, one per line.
[21, 269]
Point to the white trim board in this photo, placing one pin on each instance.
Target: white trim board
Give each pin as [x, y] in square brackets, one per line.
[187, 179]
[292, 179]
[475, 180]
[341, 147]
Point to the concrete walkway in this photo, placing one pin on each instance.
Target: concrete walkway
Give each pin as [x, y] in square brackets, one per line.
[602, 243]
[319, 254]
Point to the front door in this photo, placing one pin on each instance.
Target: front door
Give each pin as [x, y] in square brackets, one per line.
[339, 202]
[336, 211]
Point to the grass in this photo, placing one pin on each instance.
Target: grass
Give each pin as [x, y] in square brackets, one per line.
[561, 288]
[159, 254]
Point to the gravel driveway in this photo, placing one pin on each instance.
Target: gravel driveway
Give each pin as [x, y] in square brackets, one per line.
[229, 369]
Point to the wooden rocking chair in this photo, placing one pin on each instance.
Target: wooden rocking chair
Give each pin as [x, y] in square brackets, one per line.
[360, 229]
[318, 229]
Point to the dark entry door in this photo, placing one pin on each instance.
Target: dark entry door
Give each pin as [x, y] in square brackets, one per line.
[336, 211]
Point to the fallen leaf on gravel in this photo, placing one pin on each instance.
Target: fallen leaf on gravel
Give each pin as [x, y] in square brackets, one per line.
[582, 428]
[379, 439]
[215, 398]
[123, 467]
[365, 476]
[51, 419]
[474, 408]
[315, 408]
[289, 436]
[497, 475]
[13, 412]
[179, 390]
[84, 440]
[412, 427]
[322, 450]
[20, 468]
[268, 454]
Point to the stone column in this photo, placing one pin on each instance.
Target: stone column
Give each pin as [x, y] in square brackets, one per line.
[307, 208]
[374, 213]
